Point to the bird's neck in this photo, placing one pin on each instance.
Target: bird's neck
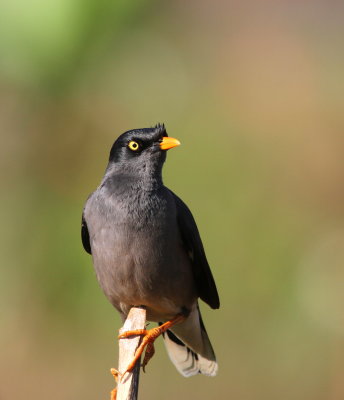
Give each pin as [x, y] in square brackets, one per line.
[125, 179]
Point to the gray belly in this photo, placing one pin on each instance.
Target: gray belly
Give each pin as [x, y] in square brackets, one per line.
[142, 268]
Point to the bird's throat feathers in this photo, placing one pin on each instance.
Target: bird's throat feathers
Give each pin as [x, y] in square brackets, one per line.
[136, 195]
[125, 178]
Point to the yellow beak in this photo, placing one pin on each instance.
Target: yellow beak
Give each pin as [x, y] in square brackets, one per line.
[169, 143]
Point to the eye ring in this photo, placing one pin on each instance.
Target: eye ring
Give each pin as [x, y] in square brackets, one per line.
[134, 146]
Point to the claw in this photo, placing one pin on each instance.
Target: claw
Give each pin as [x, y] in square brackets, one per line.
[115, 373]
[135, 332]
[147, 343]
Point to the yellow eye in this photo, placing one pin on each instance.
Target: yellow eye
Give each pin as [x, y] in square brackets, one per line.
[134, 146]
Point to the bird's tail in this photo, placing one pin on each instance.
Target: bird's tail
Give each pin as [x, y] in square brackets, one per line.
[189, 347]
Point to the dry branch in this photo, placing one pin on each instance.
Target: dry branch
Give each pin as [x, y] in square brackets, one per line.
[127, 388]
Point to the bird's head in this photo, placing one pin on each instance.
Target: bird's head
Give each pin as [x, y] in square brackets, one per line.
[141, 150]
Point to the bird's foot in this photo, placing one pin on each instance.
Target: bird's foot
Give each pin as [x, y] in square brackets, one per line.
[149, 336]
[113, 394]
[115, 373]
[150, 350]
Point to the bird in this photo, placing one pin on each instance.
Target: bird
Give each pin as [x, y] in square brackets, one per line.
[147, 251]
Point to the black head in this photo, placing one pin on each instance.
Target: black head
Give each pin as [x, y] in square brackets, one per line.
[136, 159]
[132, 146]
[140, 152]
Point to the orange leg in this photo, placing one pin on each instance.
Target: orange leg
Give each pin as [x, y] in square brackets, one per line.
[148, 355]
[148, 340]
[113, 394]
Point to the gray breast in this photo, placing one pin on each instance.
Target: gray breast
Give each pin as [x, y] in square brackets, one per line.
[138, 254]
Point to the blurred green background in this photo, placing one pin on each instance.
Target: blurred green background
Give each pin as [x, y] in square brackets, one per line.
[254, 91]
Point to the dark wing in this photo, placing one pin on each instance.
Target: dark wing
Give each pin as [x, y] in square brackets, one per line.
[192, 241]
[85, 236]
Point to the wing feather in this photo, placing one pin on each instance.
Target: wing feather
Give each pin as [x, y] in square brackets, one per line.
[193, 245]
[85, 236]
